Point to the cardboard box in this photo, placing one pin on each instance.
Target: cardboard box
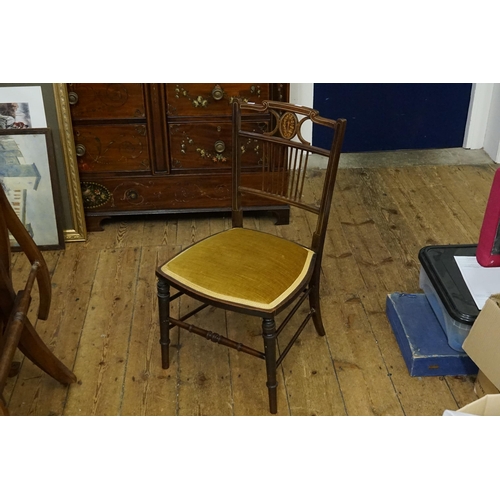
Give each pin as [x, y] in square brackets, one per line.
[487, 406]
[484, 385]
[483, 342]
[483, 346]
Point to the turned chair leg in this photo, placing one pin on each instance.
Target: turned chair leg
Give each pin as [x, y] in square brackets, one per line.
[164, 311]
[269, 334]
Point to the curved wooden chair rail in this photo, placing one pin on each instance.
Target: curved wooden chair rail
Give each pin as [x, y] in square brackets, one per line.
[247, 271]
[16, 331]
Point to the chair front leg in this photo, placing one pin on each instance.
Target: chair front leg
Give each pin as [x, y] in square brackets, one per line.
[269, 334]
[163, 289]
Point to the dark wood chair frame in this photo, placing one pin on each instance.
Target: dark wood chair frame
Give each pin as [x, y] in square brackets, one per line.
[283, 180]
[16, 330]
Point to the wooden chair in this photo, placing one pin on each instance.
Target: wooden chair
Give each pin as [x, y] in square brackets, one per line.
[16, 331]
[248, 271]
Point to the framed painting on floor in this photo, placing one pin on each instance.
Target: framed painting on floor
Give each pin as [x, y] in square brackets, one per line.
[29, 177]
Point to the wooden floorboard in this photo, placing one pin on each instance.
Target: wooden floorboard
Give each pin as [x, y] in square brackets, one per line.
[103, 321]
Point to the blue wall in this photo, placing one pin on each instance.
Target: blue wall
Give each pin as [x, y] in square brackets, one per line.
[390, 116]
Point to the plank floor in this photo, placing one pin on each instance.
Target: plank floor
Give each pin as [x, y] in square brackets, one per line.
[103, 322]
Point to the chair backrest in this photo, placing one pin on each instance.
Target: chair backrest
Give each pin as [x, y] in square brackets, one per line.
[273, 130]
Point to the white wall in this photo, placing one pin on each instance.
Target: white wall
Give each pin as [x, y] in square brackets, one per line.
[303, 94]
[483, 122]
[479, 108]
[492, 135]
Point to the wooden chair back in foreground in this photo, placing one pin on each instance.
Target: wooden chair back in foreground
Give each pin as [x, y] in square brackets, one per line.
[249, 271]
[16, 331]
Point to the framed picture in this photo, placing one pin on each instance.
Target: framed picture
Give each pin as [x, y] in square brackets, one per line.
[46, 105]
[29, 178]
[22, 107]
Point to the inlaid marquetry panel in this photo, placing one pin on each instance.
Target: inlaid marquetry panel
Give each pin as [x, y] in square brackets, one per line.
[195, 145]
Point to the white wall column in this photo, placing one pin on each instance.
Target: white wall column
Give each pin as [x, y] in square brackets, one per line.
[492, 135]
[479, 108]
[483, 123]
[303, 94]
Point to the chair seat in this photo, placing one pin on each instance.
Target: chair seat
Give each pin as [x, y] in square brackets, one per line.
[243, 267]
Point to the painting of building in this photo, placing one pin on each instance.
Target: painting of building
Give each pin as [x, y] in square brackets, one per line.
[17, 177]
[28, 177]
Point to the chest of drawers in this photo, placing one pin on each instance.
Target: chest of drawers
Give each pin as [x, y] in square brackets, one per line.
[161, 148]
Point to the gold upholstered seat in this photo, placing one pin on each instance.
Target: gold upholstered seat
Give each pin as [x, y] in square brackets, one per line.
[243, 267]
[252, 272]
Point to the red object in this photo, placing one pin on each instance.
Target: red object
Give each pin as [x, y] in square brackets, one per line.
[488, 248]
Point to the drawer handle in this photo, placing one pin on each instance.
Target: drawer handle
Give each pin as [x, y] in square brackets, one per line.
[131, 194]
[73, 98]
[217, 93]
[219, 146]
[80, 150]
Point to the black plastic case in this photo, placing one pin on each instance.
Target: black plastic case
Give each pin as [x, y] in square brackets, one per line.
[438, 261]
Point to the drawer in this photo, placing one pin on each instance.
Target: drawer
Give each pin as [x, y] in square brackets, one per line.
[92, 101]
[208, 145]
[155, 193]
[172, 192]
[200, 145]
[195, 99]
[112, 148]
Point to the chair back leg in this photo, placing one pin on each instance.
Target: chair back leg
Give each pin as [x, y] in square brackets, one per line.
[269, 334]
[315, 303]
[164, 312]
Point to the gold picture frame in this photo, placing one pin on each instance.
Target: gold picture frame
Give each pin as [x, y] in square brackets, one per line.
[78, 231]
